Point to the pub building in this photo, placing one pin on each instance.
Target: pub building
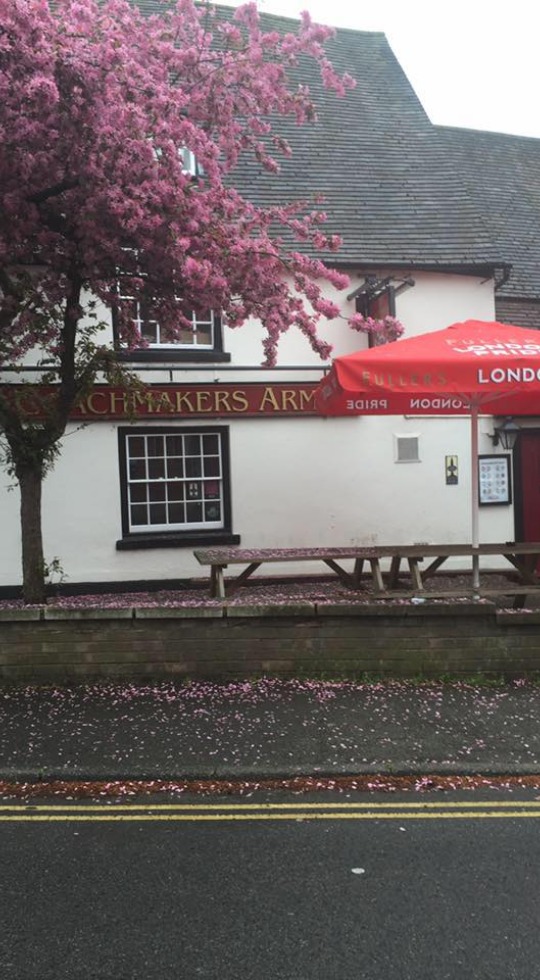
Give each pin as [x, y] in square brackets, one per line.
[216, 450]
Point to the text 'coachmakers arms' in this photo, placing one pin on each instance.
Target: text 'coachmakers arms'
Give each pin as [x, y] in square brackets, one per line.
[176, 401]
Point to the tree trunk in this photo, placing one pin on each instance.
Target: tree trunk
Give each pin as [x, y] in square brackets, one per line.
[33, 565]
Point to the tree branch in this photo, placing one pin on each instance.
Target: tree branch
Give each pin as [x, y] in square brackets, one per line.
[64, 185]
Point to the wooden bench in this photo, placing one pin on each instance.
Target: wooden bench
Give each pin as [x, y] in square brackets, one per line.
[220, 558]
[524, 558]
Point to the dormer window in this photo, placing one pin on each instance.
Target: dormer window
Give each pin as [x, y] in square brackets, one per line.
[190, 163]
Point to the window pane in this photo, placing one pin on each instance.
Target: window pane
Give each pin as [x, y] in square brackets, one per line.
[156, 491]
[204, 334]
[137, 469]
[155, 446]
[194, 513]
[139, 515]
[175, 445]
[193, 445]
[137, 493]
[193, 467]
[176, 514]
[156, 468]
[136, 447]
[212, 512]
[158, 514]
[175, 467]
[186, 337]
[211, 466]
[175, 491]
[149, 330]
[194, 491]
[211, 489]
[211, 445]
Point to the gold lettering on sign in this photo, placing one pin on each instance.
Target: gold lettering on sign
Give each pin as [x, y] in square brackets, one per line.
[240, 402]
[166, 402]
[96, 398]
[269, 398]
[133, 401]
[307, 398]
[203, 400]
[153, 401]
[288, 400]
[117, 403]
[182, 399]
[256, 399]
[221, 401]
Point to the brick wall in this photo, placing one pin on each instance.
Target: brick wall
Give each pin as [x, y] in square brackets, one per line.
[304, 640]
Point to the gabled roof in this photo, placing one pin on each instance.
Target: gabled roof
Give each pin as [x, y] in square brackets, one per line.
[502, 174]
[400, 191]
[391, 190]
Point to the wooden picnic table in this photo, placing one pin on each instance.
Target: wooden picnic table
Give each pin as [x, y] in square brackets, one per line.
[523, 556]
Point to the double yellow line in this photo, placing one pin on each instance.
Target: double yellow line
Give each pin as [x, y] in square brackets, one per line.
[205, 812]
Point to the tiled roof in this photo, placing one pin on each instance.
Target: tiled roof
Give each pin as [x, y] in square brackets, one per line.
[503, 176]
[399, 190]
[391, 191]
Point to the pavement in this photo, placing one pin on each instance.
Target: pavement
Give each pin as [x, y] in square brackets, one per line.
[267, 729]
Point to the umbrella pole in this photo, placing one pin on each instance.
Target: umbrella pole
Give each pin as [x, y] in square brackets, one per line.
[474, 496]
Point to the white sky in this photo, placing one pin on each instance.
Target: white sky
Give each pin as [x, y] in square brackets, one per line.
[472, 63]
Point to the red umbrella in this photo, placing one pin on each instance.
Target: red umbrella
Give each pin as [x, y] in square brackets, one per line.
[456, 371]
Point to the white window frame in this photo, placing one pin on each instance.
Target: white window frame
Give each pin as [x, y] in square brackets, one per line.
[140, 320]
[190, 163]
[152, 475]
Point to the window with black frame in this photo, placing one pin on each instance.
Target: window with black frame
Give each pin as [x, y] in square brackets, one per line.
[200, 334]
[198, 340]
[175, 484]
[198, 337]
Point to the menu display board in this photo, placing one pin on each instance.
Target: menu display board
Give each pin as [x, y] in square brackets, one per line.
[494, 485]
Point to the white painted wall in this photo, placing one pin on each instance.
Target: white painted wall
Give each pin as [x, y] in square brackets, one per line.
[435, 301]
[311, 482]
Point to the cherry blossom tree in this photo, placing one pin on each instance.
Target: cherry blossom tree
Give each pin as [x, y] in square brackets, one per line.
[98, 106]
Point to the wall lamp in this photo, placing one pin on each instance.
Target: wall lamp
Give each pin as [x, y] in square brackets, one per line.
[506, 433]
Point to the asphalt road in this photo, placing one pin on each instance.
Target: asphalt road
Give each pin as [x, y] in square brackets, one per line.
[369, 888]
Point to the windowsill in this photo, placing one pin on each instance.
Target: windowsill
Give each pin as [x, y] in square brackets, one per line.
[148, 355]
[175, 539]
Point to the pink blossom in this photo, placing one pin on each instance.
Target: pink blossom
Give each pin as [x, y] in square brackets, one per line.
[382, 330]
[97, 102]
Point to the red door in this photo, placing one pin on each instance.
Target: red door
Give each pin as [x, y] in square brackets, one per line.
[528, 486]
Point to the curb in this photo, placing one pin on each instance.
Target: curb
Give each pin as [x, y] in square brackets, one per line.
[249, 776]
